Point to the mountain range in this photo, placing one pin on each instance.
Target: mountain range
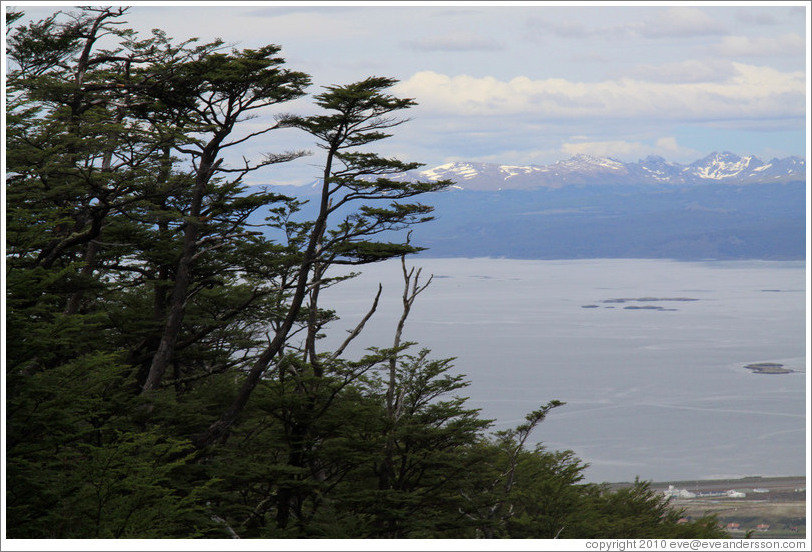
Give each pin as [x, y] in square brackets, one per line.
[721, 207]
[722, 168]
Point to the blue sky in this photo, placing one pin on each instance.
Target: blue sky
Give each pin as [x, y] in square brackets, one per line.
[536, 82]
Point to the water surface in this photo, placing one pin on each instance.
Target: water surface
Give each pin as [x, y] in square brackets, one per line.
[657, 391]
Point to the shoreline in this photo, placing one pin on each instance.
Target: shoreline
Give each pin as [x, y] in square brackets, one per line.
[777, 482]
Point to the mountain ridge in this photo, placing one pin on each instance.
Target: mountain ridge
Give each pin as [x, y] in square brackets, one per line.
[723, 206]
[581, 169]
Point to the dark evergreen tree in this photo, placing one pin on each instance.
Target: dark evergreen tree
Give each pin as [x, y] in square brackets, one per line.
[357, 114]
[98, 216]
[222, 91]
[164, 371]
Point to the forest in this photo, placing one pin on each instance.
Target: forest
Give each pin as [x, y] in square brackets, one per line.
[165, 374]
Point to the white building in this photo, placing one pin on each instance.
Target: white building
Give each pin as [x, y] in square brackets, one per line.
[671, 492]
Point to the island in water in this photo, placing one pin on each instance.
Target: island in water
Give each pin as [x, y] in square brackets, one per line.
[768, 368]
[613, 302]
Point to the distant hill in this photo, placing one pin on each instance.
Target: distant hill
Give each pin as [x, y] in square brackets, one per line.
[757, 221]
[723, 168]
[720, 207]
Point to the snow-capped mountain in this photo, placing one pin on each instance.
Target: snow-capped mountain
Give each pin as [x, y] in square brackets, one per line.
[720, 166]
[722, 206]
[726, 167]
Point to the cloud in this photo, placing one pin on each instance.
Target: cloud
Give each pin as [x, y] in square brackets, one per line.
[457, 42]
[689, 71]
[278, 10]
[749, 92]
[679, 22]
[538, 27]
[756, 17]
[624, 150]
[670, 23]
[515, 157]
[762, 46]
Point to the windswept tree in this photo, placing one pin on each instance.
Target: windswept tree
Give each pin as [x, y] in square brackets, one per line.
[359, 201]
[223, 90]
[354, 184]
[128, 247]
[165, 373]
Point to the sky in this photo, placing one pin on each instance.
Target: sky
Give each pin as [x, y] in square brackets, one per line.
[523, 83]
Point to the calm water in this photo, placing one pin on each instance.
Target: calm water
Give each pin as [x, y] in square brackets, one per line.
[660, 394]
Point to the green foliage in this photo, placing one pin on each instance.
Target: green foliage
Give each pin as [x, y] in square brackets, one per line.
[163, 371]
[79, 466]
[635, 512]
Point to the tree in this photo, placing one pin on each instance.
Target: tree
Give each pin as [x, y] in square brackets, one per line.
[224, 89]
[99, 214]
[492, 504]
[75, 163]
[634, 512]
[147, 303]
[357, 115]
[95, 190]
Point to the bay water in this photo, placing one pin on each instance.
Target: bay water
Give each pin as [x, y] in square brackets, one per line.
[649, 355]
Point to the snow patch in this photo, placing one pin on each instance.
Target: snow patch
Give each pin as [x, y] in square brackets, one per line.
[720, 169]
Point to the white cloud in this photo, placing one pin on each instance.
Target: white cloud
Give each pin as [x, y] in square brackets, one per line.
[668, 145]
[750, 92]
[514, 157]
[688, 71]
[784, 45]
[631, 151]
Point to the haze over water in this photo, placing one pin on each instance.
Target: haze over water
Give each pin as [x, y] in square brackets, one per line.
[659, 394]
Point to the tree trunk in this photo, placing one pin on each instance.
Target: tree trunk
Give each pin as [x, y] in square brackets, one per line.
[219, 428]
[183, 274]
